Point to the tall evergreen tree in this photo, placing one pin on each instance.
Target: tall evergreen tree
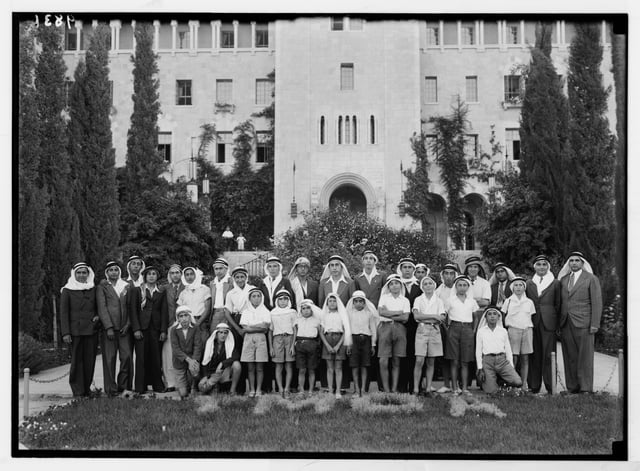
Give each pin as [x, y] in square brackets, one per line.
[92, 153]
[33, 211]
[592, 146]
[544, 136]
[62, 241]
[417, 195]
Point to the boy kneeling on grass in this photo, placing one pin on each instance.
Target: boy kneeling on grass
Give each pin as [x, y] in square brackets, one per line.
[221, 361]
[186, 345]
[493, 352]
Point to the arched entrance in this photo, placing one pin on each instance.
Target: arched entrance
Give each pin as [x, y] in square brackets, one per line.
[473, 204]
[350, 194]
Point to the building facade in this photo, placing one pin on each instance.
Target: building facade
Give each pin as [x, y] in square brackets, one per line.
[349, 94]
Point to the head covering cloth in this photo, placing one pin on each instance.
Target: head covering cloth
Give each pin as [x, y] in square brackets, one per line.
[75, 285]
[368, 305]
[586, 266]
[229, 344]
[494, 278]
[342, 311]
[345, 272]
[120, 285]
[139, 281]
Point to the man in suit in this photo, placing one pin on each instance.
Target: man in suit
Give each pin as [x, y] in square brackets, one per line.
[220, 286]
[545, 292]
[580, 320]
[303, 286]
[499, 282]
[274, 282]
[115, 340]
[335, 279]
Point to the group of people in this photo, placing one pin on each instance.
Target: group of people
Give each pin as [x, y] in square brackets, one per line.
[390, 328]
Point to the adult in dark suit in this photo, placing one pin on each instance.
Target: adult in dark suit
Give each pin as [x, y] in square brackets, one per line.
[545, 292]
[173, 288]
[274, 282]
[148, 313]
[500, 281]
[79, 326]
[220, 286]
[115, 339]
[406, 270]
[303, 286]
[580, 320]
[335, 279]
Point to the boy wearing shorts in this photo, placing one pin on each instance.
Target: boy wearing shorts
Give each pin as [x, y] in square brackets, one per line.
[363, 320]
[255, 320]
[283, 318]
[305, 341]
[519, 309]
[336, 339]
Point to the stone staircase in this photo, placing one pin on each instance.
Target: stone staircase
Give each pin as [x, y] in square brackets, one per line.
[253, 261]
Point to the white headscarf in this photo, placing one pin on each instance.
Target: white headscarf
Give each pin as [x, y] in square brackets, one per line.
[75, 285]
[271, 285]
[139, 281]
[342, 311]
[184, 308]
[262, 309]
[345, 273]
[229, 344]
[483, 319]
[425, 267]
[385, 287]
[374, 270]
[586, 266]
[280, 310]
[547, 279]
[293, 276]
[407, 282]
[315, 310]
[368, 305]
[120, 285]
[197, 282]
[494, 279]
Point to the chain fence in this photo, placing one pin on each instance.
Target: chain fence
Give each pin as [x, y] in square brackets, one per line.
[604, 388]
[53, 380]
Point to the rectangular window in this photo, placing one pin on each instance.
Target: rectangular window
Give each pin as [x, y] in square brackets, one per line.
[512, 88]
[346, 76]
[512, 137]
[468, 34]
[226, 35]
[513, 34]
[263, 148]
[356, 24]
[183, 40]
[471, 86]
[433, 35]
[223, 146]
[264, 87]
[183, 92]
[337, 23]
[262, 35]
[431, 89]
[471, 146]
[71, 39]
[224, 91]
[164, 145]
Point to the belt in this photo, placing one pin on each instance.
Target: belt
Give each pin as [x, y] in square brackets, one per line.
[461, 323]
[284, 333]
[305, 338]
[428, 323]
[492, 354]
[361, 335]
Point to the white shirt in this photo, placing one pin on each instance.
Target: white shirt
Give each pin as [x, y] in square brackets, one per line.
[335, 284]
[252, 317]
[219, 301]
[195, 299]
[332, 322]
[480, 289]
[283, 322]
[237, 298]
[547, 279]
[461, 311]
[492, 341]
[444, 292]
[433, 306]
[393, 303]
[519, 312]
[307, 326]
[362, 322]
[576, 275]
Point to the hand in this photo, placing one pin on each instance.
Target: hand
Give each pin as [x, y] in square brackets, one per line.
[242, 332]
[66, 338]
[273, 353]
[95, 319]
[292, 350]
[373, 350]
[163, 337]
[138, 335]
[480, 376]
[349, 351]
[124, 330]
[593, 330]
[219, 368]
[110, 334]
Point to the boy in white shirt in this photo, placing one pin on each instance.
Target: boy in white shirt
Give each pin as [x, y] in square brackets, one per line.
[283, 318]
[255, 320]
[305, 341]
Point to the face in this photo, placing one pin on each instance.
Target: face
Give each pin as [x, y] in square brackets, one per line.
[240, 279]
[332, 304]
[283, 301]
[273, 268]
[189, 276]
[82, 274]
[501, 274]
[306, 311]
[152, 276]
[448, 276]
[135, 266]
[175, 274]
[220, 271]
[255, 298]
[335, 268]
[302, 269]
[407, 270]
[473, 270]
[113, 273]
[184, 318]
[575, 263]
[358, 304]
[222, 335]
[462, 287]
[492, 318]
[420, 273]
[541, 267]
[395, 287]
[518, 288]
[428, 285]
[369, 261]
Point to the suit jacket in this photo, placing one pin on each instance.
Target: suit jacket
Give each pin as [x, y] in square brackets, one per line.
[283, 284]
[584, 303]
[312, 291]
[172, 300]
[412, 294]
[547, 304]
[371, 290]
[153, 315]
[345, 290]
[186, 347]
[77, 310]
[226, 286]
[494, 293]
[112, 309]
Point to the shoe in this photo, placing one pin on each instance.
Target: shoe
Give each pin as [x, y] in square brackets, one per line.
[252, 394]
[170, 389]
[443, 390]
[338, 395]
[466, 392]
[258, 393]
[457, 392]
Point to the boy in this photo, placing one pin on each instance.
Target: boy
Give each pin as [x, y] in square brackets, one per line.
[444, 292]
[221, 361]
[255, 320]
[186, 345]
[363, 320]
[283, 318]
[493, 353]
[305, 341]
[336, 339]
[519, 309]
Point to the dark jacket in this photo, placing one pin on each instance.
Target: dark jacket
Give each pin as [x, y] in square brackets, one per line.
[494, 292]
[77, 310]
[153, 315]
[211, 367]
[182, 348]
[547, 305]
[371, 291]
[284, 284]
[583, 304]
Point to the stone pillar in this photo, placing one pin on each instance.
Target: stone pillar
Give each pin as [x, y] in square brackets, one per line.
[174, 33]
[156, 35]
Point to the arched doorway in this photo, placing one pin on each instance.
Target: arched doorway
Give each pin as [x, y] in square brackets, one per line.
[473, 204]
[350, 194]
[437, 220]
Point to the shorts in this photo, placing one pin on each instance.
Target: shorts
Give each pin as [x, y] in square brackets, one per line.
[306, 353]
[282, 348]
[333, 338]
[208, 382]
[392, 340]
[254, 348]
[460, 342]
[428, 341]
[521, 340]
[360, 351]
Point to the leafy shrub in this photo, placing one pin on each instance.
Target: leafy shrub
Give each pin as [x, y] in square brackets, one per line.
[611, 335]
[30, 354]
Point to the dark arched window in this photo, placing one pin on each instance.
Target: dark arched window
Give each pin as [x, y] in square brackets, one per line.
[323, 135]
[355, 130]
[347, 130]
[339, 129]
[372, 130]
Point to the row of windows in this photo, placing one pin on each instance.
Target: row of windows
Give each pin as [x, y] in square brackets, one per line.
[224, 92]
[339, 23]
[471, 148]
[223, 147]
[347, 130]
[513, 89]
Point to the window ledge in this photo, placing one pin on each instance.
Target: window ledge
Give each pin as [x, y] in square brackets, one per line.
[224, 108]
[509, 104]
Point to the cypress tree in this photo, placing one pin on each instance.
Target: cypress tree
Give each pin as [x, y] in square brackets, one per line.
[544, 136]
[417, 194]
[62, 240]
[92, 153]
[33, 211]
[592, 150]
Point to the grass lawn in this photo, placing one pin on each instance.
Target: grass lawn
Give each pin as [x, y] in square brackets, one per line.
[550, 425]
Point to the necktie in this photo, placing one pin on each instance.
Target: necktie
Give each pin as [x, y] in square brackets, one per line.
[540, 280]
[572, 280]
[500, 294]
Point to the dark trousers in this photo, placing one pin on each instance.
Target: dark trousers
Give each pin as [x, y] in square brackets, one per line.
[577, 352]
[544, 342]
[149, 361]
[111, 349]
[405, 382]
[83, 363]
